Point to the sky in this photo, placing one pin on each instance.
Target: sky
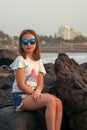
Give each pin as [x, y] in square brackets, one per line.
[43, 16]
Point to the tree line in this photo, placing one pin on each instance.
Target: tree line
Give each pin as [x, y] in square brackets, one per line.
[48, 39]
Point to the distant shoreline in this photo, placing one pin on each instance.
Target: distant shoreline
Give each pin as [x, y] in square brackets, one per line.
[56, 48]
[64, 49]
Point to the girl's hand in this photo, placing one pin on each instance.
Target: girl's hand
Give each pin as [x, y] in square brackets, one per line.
[36, 95]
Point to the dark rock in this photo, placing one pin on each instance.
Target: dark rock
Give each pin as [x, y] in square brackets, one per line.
[8, 81]
[84, 65]
[23, 120]
[79, 121]
[71, 85]
[6, 91]
[7, 56]
[50, 69]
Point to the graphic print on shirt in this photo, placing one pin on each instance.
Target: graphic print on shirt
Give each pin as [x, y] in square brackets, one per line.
[32, 78]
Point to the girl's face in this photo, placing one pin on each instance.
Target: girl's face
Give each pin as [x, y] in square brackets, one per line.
[28, 43]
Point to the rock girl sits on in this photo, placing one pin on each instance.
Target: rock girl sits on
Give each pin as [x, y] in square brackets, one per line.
[29, 81]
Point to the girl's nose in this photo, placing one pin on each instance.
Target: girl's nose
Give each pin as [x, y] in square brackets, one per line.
[29, 43]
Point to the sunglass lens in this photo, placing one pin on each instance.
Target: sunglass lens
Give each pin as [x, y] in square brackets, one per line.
[25, 41]
[32, 41]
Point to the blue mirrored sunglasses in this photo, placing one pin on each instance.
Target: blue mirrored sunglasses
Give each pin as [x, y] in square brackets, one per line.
[26, 41]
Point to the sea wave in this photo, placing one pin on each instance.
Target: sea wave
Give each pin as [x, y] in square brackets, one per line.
[51, 57]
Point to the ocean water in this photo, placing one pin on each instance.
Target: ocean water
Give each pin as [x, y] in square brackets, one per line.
[50, 57]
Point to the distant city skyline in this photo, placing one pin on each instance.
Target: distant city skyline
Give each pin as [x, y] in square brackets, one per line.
[68, 33]
[43, 16]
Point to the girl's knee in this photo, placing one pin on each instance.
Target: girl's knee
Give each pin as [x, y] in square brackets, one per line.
[59, 102]
[52, 101]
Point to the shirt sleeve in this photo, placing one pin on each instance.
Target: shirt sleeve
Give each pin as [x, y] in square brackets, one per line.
[41, 67]
[19, 62]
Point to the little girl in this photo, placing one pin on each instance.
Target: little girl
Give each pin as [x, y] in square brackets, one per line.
[29, 82]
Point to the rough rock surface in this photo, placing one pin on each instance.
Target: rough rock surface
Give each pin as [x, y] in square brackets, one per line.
[23, 120]
[7, 56]
[65, 79]
[71, 85]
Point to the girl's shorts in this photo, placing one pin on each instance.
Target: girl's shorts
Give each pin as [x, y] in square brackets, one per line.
[17, 98]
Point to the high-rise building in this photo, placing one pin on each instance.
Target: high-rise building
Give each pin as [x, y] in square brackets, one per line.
[68, 33]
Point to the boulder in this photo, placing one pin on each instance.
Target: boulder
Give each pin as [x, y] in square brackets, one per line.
[71, 85]
[23, 120]
[7, 56]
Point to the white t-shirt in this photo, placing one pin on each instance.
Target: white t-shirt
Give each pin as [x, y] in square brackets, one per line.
[32, 69]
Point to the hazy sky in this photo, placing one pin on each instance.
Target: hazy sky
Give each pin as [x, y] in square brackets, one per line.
[44, 16]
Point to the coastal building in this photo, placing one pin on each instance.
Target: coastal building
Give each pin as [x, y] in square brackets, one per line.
[68, 33]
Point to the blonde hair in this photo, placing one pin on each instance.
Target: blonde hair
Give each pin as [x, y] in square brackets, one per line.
[36, 54]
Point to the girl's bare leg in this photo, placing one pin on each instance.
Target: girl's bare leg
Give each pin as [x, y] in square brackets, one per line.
[59, 111]
[47, 101]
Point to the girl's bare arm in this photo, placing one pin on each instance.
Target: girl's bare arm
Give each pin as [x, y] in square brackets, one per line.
[21, 82]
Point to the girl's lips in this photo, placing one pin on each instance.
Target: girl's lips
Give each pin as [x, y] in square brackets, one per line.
[29, 48]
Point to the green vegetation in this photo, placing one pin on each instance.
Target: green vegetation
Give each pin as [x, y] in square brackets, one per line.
[3, 35]
[50, 39]
[44, 39]
[80, 39]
